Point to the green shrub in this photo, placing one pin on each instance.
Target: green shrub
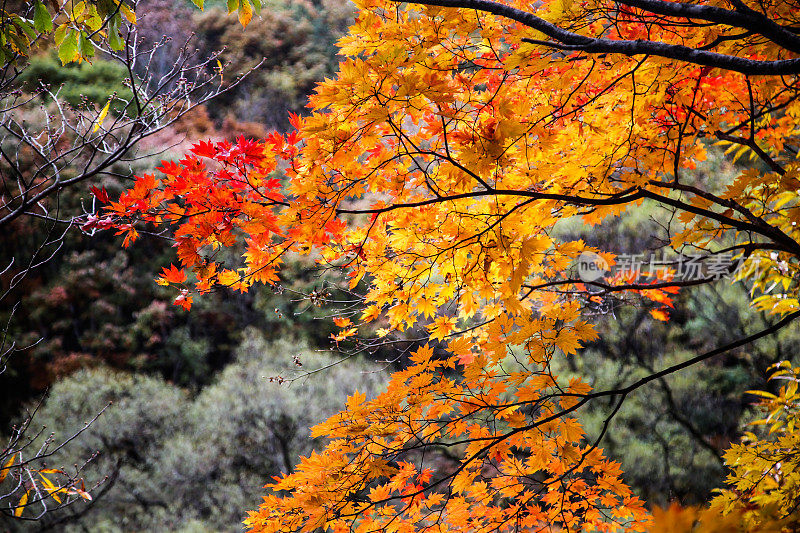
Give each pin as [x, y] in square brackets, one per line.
[194, 465]
[90, 82]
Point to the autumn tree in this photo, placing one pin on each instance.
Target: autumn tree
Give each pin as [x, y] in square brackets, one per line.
[438, 169]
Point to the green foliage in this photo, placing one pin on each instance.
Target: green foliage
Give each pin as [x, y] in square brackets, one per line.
[17, 32]
[82, 306]
[297, 42]
[144, 412]
[41, 18]
[180, 464]
[98, 305]
[75, 28]
[77, 83]
[96, 309]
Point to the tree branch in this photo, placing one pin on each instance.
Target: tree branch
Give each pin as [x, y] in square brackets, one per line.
[567, 40]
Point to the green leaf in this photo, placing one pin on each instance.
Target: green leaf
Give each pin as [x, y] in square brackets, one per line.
[68, 51]
[233, 5]
[198, 3]
[26, 27]
[41, 19]
[85, 46]
[114, 38]
[257, 7]
[94, 23]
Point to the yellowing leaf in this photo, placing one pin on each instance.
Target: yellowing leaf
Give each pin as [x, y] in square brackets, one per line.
[68, 49]
[101, 116]
[245, 12]
[20, 507]
[7, 467]
[127, 12]
[51, 488]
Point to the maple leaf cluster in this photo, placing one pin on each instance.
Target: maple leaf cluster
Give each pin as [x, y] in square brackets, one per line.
[438, 167]
[219, 194]
[764, 481]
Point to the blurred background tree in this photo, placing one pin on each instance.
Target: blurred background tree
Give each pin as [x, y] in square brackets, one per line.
[296, 39]
[181, 462]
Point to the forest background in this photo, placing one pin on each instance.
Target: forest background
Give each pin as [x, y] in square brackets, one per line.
[100, 330]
